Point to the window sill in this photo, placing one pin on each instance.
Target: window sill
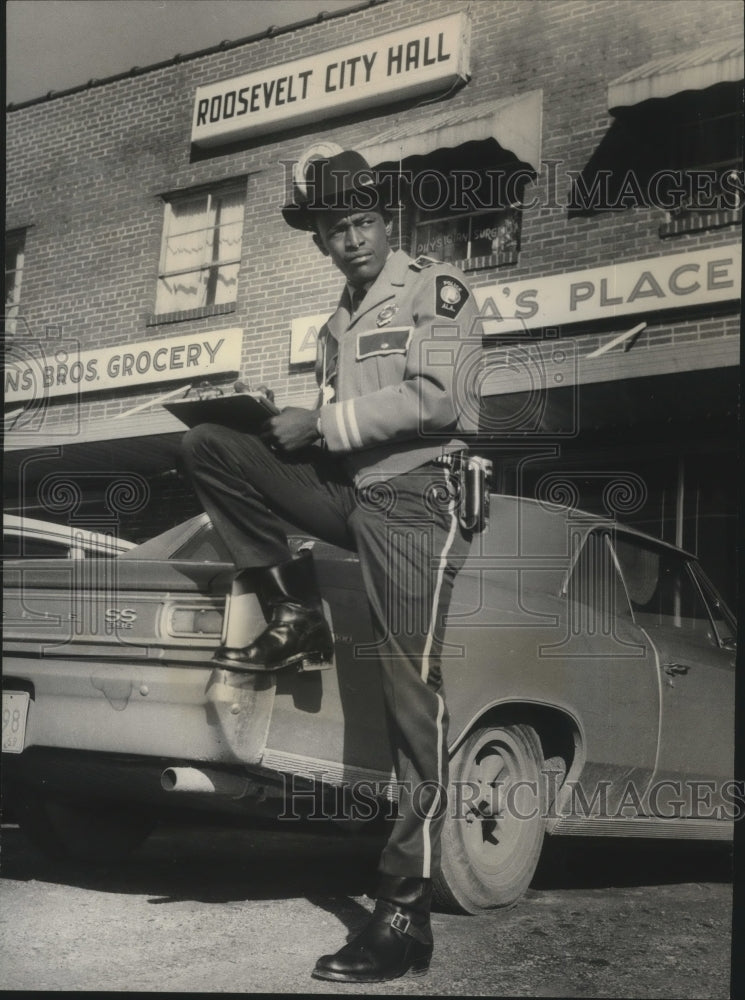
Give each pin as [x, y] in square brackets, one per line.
[490, 260]
[695, 222]
[156, 319]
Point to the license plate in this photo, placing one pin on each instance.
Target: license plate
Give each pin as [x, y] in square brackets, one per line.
[15, 712]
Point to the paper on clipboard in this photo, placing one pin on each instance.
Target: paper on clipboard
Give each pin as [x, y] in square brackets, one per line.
[243, 411]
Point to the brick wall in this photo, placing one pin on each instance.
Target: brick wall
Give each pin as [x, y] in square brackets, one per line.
[86, 171]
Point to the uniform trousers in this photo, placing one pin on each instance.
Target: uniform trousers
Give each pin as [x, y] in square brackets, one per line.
[410, 546]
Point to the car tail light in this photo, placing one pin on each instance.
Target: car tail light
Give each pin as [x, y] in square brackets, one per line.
[194, 620]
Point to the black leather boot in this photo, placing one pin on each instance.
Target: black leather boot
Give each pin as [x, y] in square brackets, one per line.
[297, 629]
[396, 941]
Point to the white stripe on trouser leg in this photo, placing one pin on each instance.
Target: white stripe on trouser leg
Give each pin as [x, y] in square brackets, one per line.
[427, 852]
[436, 597]
[427, 847]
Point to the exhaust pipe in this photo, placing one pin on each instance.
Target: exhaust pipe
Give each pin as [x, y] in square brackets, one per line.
[194, 779]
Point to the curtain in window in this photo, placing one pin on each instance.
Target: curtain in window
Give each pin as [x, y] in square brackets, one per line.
[227, 246]
[186, 249]
[201, 252]
[14, 246]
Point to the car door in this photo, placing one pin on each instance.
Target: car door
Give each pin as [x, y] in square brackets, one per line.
[614, 661]
[696, 676]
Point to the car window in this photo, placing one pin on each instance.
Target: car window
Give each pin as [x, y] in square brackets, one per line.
[23, 547]
[661, 589]
[595, 586]
[724, 620]
[205, 545]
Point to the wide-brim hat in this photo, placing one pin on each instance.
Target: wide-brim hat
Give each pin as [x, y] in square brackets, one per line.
[343, 181]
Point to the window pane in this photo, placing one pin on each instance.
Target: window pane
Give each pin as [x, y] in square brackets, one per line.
[230, 207]
[201, 251]
[723, 620]
[661, 589]
[204, 546]
[227, 245]
[188, 214]
[189, 237]
[641, 571]
[14, 247]
[228, 226]
[712, 141]
[446, 239]
[497, 233]
[184, 291]
[18, 546]
[226, 285]
[595, 588]
[478, 235]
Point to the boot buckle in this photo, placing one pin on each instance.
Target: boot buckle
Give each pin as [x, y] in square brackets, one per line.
[399, 922]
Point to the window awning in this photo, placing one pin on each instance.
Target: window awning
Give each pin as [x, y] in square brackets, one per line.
[515, 123]
[720, 62]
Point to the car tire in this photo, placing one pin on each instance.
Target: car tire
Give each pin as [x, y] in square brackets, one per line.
[77, 830]
[493, 833]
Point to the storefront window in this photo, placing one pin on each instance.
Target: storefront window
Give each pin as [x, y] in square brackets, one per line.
[462, 205]
[465, 238]
[14, 249]
[681, 155]
[201, 252]
[708, 145]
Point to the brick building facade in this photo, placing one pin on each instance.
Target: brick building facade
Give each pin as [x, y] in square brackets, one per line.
[572, 100]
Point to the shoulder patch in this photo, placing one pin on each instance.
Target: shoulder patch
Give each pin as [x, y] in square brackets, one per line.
[422, 261]
[450, 296]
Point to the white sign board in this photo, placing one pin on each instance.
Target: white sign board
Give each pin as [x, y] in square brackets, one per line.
[304, 337]
[40, 369]
[399, 65]
[633, 288]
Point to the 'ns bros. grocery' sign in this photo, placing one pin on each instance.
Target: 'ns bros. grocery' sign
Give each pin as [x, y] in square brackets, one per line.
[396, 66]
[39, 369]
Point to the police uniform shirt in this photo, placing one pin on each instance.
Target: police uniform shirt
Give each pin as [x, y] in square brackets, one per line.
[403, 369]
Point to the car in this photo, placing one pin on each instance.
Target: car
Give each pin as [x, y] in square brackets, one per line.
[589, 672]
[30, 537]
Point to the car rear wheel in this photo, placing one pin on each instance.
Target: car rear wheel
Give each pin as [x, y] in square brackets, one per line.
[80, 830]
[493, 834]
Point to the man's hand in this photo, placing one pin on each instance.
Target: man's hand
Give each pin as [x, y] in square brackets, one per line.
[291, 429]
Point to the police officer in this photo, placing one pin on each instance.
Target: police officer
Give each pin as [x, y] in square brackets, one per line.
[397, 364]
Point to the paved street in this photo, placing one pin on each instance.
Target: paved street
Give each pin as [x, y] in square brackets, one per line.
[203, 909]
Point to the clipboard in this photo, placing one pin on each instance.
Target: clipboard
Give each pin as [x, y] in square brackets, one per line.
[241, 411]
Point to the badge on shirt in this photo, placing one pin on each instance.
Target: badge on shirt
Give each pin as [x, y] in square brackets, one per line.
[450, 296]
[386, 315]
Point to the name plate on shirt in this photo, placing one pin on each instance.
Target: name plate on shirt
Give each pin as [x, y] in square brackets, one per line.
[390, 340]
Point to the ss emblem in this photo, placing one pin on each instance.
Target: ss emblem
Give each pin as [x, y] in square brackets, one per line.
[120, 617]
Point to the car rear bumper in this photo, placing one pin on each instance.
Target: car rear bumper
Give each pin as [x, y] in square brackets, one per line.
[143, 708]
